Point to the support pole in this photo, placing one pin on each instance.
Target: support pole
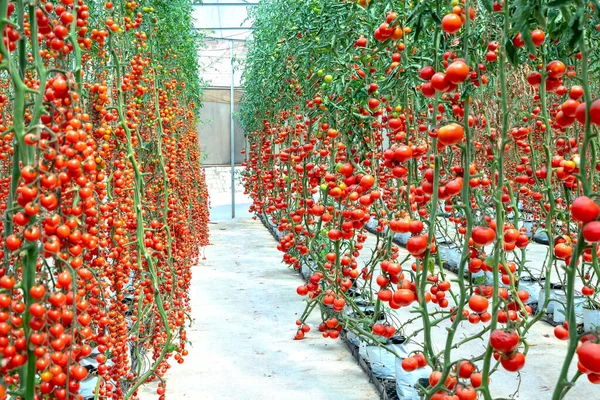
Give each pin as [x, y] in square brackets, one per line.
[232, 138]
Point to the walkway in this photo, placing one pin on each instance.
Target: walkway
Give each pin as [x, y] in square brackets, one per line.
[245, 303]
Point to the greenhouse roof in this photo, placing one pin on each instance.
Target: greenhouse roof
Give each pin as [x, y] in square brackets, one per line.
[224, 24]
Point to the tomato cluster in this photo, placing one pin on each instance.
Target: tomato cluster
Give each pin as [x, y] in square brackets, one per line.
[103, 195]
[464, 131]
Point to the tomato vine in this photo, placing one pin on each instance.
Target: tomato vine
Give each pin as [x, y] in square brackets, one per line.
[443, 125]
[103, 197]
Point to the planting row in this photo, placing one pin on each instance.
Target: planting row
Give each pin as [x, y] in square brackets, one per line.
[465, 131]
[103, 197]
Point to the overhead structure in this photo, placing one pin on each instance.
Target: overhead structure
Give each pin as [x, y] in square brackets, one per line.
[227, 27]
[228, 19]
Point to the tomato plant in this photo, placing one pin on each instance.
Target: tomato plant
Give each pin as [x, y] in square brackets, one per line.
[466, 126]
[103, 197]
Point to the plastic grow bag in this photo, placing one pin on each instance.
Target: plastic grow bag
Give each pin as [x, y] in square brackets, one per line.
[383, 362]
[531, 286]
[591, 319]
[559, 309]
[406, 382]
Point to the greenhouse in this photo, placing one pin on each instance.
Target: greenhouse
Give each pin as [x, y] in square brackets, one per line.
[309, 199]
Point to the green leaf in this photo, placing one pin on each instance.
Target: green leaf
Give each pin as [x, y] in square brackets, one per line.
[431, 265]
[558, 3]
[511, 53]
[576, 27]
[597, 7]
[526, 36]
[487, 4]
[418, 27]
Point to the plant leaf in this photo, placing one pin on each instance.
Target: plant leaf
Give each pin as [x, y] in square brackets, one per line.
[511, 53]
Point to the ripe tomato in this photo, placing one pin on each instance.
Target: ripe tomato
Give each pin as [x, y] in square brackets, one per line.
[589, 356]
[504, 341]
[404, 297]
[416, 245]
[478, 303]
[457, 72]
[513, 362]
[451, 134]
[594, 112]
[537, 37]
[451, 23]
[584, 209]
[439, 82]
[410, 364]
[483, 236]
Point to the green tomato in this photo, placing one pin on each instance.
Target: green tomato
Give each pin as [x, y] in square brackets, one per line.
[328, 78]
[338, 167]
[323, 186]
[454, 3]
[320, 72]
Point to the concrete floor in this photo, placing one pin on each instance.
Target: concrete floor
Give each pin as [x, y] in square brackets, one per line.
[244, 303]
[220, 206]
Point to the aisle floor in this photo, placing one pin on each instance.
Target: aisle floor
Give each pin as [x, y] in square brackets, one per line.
[244, 304]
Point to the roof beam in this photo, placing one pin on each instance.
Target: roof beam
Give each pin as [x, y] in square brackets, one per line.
[225, 4]
[225, 28]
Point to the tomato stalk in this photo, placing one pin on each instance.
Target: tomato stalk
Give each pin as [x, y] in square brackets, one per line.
[499, 207]
[141, 247]
[564, 384]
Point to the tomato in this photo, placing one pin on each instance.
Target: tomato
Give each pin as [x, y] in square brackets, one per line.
[13, 243]
[367, 181]
[302, 290]
[439, 82]
[417, 245]
[415, 227]
[334, 234]
[478, 303]
[576, 92]
[454, 186]
[589, 356]
[410, 364]
[451, 23]
[403, 153]
[373, 103]
[534, 78]
[426, 73]
[504, 341]
[466, 393]
[561, 332]
[435, 377]
[591, 232]
[537, 37]
[457, 72]
[404, 297]
[580, 112]
[513, 362]
[563, 251]
[451, 134]
[556, 69]
[37, 292]
[465, 369]
[483, 236]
